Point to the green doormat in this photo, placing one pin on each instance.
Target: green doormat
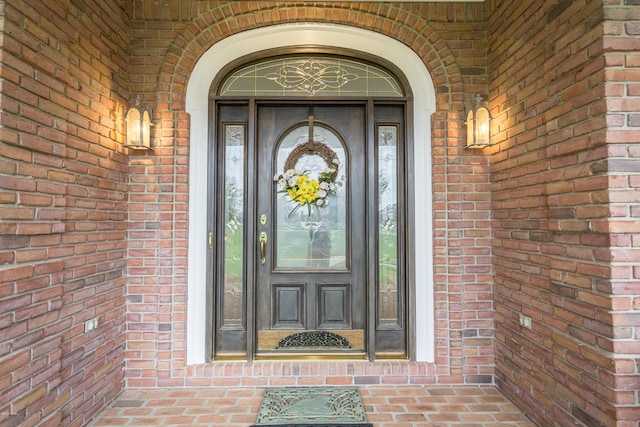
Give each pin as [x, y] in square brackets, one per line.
[312, 406]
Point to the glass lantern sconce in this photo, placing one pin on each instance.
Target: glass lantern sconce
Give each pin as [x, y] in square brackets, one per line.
[478, 123]
[138, 121]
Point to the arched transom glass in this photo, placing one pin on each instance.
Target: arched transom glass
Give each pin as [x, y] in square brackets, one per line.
[311, 76]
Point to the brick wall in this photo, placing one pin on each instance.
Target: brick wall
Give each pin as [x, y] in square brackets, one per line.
[450, 38]
[622, 87]
[81, 218]
[63, 195]
[564, 182]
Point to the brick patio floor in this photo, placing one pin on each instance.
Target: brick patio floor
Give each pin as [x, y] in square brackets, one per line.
[388, 406]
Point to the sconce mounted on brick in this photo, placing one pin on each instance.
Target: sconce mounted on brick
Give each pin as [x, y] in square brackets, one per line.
[138, 121]
[478, 125]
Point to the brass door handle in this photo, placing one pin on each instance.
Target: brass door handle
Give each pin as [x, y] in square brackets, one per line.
[263, 247]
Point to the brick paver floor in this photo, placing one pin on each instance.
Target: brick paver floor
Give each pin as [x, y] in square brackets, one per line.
[401, 406]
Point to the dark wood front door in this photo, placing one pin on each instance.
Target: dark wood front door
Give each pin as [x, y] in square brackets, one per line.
[321, 274]
[310, 275]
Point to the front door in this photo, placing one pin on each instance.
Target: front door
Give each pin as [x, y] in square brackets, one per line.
[307, 229]
[311, 294]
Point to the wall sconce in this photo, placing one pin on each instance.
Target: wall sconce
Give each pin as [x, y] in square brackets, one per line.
[138, 121]
[478, 125]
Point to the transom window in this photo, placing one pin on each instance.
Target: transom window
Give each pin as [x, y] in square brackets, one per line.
[311, 76]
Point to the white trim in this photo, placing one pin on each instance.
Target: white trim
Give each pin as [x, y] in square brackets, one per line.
[247, 42]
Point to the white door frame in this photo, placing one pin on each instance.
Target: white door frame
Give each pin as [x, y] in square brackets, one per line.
[325, 35]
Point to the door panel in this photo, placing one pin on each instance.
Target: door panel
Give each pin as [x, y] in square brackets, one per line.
[288, 306]
[334, 306]
[313, 273]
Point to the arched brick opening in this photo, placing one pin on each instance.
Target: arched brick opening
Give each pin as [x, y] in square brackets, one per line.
[215, 25]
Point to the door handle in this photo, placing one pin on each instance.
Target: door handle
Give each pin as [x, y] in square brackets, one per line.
[263, 247]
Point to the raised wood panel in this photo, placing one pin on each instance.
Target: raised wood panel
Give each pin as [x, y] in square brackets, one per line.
[288, 306]
[334, 306]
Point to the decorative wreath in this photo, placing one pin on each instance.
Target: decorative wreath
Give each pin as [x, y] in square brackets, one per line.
[300, 187]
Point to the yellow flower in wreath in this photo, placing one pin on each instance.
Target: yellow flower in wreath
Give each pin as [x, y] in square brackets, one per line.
[304, 190]
[300, 187]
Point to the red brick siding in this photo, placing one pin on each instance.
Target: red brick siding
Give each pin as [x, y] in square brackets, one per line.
[81, 219]
[63, 190]
[622, 74]
[451, 39]
[563, 193]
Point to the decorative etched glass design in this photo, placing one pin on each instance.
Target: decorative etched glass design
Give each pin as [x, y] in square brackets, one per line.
[309, 76]
[388, 225]
[311, 238]
[233, 226]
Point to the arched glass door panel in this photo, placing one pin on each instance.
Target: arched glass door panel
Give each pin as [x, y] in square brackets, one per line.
[311, 225]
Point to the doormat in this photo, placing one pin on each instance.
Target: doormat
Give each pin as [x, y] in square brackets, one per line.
[312, 406]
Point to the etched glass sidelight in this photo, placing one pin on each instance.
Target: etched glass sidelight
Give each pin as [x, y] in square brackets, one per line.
[388, 225]
[308, 236]
[233, 226]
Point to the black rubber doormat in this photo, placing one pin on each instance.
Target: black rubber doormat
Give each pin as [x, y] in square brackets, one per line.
[311, 406]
